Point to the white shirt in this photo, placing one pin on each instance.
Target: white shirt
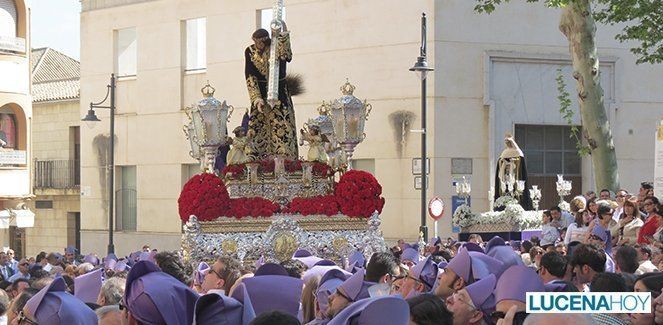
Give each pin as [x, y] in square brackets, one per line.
[549, 235]
[19, 275]
[219, 292]
[618, 212]
[574, 233]
[646, 267]
[609, 264]
[567, 219]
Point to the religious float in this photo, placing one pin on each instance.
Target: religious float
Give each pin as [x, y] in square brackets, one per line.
[266, 205]
[515, 210]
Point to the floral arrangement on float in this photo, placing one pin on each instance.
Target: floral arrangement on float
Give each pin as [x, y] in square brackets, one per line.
[513, 216]
[356, 195]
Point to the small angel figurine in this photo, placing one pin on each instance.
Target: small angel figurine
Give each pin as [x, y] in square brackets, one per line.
[337, 158]
[316, 151]
[238, 154]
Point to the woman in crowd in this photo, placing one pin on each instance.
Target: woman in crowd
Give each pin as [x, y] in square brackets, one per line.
[549, 234]
[535, 256]
[605, 223]
[578, 229]
[652, 222]
[593, 208]
[652, 283]
[626, 230]
[308, 299]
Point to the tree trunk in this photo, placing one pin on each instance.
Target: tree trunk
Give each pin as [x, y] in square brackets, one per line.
[579, 27]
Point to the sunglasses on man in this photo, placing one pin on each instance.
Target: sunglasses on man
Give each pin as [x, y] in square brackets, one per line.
[518, 318]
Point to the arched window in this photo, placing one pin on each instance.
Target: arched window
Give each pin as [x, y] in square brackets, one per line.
[8, 18]
[8, 131]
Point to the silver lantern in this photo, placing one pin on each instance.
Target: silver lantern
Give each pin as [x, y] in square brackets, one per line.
[195, 153]
[208, 126]
[349, 114]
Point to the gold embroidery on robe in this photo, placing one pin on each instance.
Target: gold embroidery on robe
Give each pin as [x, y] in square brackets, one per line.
[283, 50]
[260, 60]
[252, 86]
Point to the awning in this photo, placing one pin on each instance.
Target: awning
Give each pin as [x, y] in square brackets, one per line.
[23, 218]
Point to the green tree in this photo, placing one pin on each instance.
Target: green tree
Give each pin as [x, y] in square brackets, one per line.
[643, 25]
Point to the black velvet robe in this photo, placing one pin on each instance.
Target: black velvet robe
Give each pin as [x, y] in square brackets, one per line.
[274, 128]
[525, 200]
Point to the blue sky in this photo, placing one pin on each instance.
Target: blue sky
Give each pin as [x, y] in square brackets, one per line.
[56, 24]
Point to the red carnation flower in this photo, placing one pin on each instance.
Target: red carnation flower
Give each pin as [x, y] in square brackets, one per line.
[358, 194]
[204, 196]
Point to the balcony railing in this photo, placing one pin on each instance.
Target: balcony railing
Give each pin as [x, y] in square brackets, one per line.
[57, 174]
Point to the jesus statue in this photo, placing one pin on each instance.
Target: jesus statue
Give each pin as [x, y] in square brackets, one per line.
[271, 126]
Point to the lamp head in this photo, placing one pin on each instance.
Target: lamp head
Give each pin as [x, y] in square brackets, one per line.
[91, 118]
[421, 67]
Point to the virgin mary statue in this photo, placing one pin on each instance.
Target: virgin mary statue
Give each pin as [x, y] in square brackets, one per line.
[511, 169]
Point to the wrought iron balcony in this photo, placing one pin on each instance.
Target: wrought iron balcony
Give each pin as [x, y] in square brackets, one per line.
[57, 174]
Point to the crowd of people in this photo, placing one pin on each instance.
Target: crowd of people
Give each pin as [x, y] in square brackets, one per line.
[605, 244]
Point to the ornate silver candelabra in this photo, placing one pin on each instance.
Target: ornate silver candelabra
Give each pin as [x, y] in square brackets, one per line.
[535, 194]
[563, 189]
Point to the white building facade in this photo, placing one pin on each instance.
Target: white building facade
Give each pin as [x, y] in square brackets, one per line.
[15, 123]
[493, 74]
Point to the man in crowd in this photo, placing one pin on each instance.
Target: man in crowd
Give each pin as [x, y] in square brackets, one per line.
[351, 290]
[382, 268]
[221, 276]
[111, 292]
[420, 279]
[52, 259]
[561, 219]
[18, 287]
[473, 304]
[12, 261]
[152, 297]
[109, 315]
[5, 268]
[70, 255]
[171, 263]
[23, 271]
[644, 260]
[587, 262]
[646, 189]
[475, 238]
[456, 275]
[464, 269]
[553, 268]
[609, 282]
[626, 264]
[605, 194]
[511, 291]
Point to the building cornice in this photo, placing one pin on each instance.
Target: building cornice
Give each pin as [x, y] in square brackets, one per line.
[90, 5]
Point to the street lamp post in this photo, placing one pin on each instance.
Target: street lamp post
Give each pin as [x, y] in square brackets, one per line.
[421, 68]
[91, 118]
